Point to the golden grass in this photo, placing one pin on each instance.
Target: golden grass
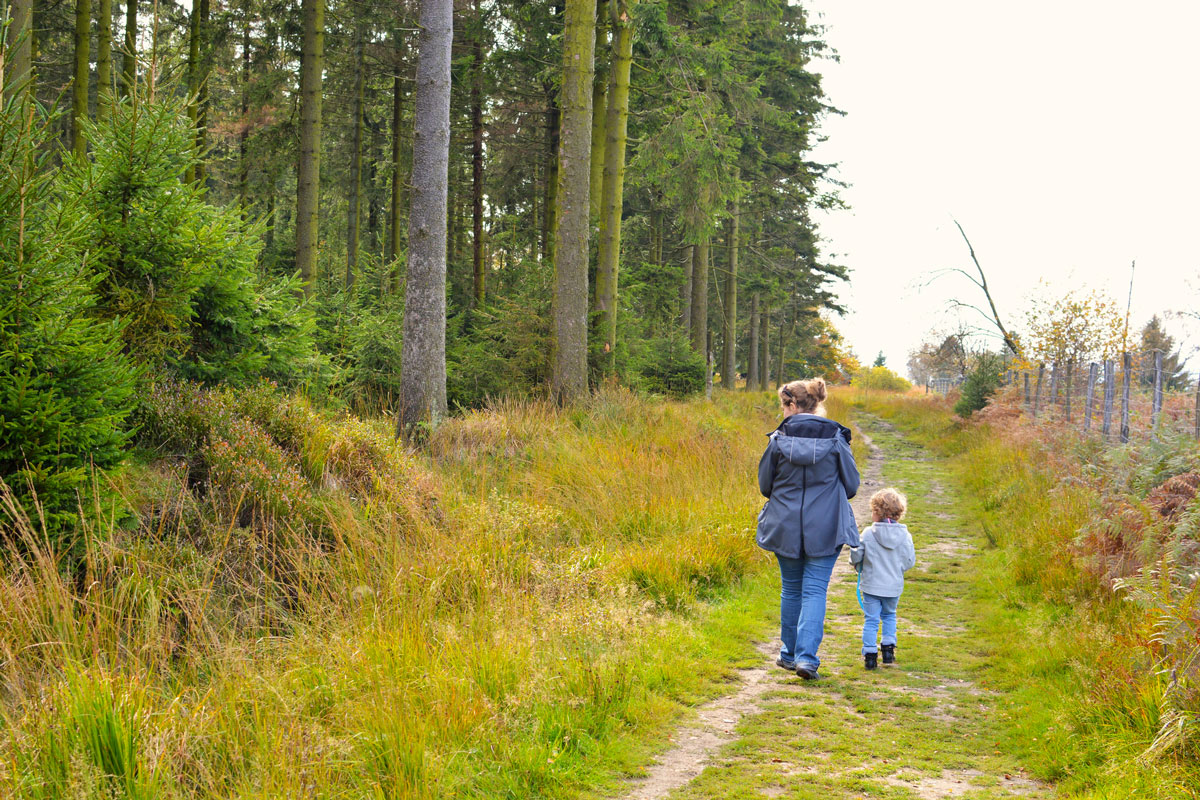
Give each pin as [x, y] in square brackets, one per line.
[493, 618]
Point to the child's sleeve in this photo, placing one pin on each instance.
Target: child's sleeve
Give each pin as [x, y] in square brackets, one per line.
[910, 559]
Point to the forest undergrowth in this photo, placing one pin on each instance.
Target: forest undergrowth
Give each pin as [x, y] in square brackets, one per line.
[300, 607]
[1092, 574]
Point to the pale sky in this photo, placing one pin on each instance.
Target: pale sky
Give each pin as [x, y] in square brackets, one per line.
[1063, 135]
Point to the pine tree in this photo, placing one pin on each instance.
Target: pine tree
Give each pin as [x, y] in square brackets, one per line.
[65, 386]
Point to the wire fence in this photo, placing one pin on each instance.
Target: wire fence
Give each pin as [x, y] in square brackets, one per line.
[1133, 395]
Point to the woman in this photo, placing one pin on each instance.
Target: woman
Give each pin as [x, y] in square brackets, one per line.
[808, 476]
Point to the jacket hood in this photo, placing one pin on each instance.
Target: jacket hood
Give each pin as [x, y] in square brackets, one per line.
[811, 426]
[804, 451]
[890, 535]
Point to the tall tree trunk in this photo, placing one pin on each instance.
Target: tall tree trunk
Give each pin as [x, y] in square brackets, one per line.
[104, 62]
[244, 129]
[79, 87]
[569, 375]
[553, 117]
[729, 361]
[197, 79]
[599, 106]
[193, 78]
[550, 188]
[752, 379]
[308, 175]
[700, 295]
[764, 344]
[354, 201]
[129, 57]
[394, 215]
[785, 336]
[423, 355]
[685, 297]
[202, 101]
[477, 271]
[616, 126]
[19, 41]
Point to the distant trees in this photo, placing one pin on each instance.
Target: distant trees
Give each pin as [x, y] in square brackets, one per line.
[1080, 325]
[1154, 338]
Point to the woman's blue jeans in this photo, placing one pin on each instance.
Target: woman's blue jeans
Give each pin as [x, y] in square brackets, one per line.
[805, 582]
[876, 609]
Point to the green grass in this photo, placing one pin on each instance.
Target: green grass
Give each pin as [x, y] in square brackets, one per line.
[897, 731]
[1080, 691]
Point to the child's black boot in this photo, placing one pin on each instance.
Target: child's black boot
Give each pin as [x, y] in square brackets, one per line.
[870, 660]
[889, 653]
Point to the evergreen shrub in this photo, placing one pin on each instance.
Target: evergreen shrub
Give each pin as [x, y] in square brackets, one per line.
[65, 386]
[667, 365]
[179, 272]
[980, 384]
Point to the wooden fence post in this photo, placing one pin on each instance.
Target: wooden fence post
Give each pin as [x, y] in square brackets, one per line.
[1069, 388]
[1093, 368]
[1126, 380]
[1037, 392]
[1197, 416]
[1157, 403]
[1110, 389]
[1026, 374]
[1054, 385]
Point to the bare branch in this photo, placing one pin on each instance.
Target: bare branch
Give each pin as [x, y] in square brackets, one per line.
[982, 284]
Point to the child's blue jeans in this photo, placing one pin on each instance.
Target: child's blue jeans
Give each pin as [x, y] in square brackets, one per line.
[875, 610]
[804, 584]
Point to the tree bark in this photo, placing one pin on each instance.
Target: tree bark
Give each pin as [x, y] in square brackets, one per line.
[764, 344]
[354, 201]
[423, 355]
[197, 79]
[79, 87]
[612, 195]
[550, 189]
[479, 283]
[129, 57]
[104, 59]
[244, 131]
[729, 361]
[193, 78]
[308, 175]
[599, 105]
[700, 267]
[395, 241]
[19, 41]
[685, 298]
[569, 374]
[752, 379]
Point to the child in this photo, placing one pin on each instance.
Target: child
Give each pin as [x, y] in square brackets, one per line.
[885, 555]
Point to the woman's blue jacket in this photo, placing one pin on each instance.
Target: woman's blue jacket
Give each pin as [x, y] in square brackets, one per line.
[808, 476]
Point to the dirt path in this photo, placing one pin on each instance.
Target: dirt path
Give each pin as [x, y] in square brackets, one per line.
[917, 731]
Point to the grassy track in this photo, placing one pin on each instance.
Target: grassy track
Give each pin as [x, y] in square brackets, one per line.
[926, 728]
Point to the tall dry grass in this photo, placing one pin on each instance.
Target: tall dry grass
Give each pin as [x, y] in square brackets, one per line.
[494, 618]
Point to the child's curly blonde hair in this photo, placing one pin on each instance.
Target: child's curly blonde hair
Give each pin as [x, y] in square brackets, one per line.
[888, 504]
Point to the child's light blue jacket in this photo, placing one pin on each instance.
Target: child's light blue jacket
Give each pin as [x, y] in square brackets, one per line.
[886, 554]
